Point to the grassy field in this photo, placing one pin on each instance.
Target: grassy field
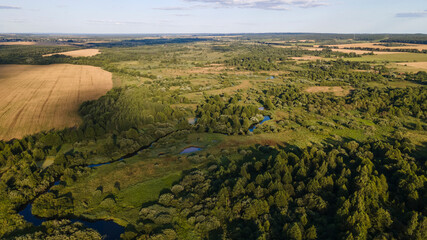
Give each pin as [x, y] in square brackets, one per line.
[37, 98]
[395, 57]
[137, 180]
[338, 91]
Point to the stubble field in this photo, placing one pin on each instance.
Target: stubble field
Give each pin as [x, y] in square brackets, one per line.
[77, 53]
[419, 47]
[37, 98]
[17, 43]
[420, 66]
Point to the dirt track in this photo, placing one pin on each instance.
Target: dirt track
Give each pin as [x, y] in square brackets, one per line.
[37, 98]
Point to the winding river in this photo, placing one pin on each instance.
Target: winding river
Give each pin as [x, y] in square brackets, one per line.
[266, 118]
[108, 229]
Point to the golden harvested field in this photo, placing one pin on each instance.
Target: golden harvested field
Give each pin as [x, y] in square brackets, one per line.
[374, 45]
[77, 53]
[17, 43]
[338, 91]
[37, 98]
[415, 65]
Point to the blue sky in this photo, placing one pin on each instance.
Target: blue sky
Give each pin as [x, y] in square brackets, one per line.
[213, 16]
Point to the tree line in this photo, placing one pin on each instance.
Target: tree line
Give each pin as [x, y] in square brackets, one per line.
[341, 190]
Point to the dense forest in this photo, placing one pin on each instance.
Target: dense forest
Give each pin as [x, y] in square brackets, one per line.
[263, 58]
[415, 38]
[226, 115]
[342, 190]
[134, 43]
[32, 54]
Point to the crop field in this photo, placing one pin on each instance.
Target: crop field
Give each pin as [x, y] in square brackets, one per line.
[77, 53]
[376, 45]
[17, 43]
[37, 98]
[415, 65]
[343, 50]
[394, 57]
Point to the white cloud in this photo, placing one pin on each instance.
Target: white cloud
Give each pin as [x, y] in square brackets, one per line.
[181, 15]
[263, 4]
[9, 7]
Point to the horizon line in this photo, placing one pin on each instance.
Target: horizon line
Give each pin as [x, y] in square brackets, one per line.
[212, 33]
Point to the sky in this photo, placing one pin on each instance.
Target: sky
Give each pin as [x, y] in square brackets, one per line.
[213, 16]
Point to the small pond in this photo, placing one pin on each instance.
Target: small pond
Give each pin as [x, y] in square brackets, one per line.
[266, 118]
[190, 150]
[192, 121]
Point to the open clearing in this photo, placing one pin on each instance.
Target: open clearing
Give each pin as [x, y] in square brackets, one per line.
[307, 58]
[77, 53]
[37, 98]
[338, 91]
[17, 43]
[243, 85]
